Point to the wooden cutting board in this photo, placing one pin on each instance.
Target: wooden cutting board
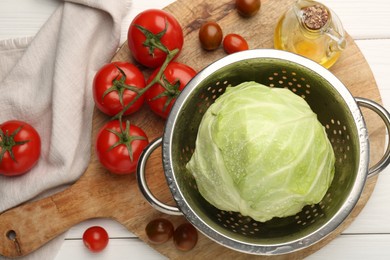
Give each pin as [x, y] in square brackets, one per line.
[101, 194]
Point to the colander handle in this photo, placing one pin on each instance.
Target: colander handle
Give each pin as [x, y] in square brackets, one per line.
[384, 114]
[143, 185]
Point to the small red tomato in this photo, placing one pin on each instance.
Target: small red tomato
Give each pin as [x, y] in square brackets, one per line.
[234, 43]
[185, 237]
[248, 8]
[175, 77]
[20, 147]
[95, 239]
[150, 27]
[159, 230]
[115, 85]
[118, 147]
[210, 35]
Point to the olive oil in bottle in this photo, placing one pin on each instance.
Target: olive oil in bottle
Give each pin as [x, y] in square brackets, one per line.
[312, 30]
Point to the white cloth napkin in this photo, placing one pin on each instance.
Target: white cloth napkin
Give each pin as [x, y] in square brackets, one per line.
[46, 81]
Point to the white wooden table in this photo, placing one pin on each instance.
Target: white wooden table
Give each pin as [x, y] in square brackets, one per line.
[368, 22]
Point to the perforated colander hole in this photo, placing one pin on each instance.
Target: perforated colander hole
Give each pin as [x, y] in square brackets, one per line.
[11, 235]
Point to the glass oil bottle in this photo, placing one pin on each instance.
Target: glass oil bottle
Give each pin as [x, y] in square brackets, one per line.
[311, 29]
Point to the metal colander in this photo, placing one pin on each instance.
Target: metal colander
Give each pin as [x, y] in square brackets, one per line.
[337, 110]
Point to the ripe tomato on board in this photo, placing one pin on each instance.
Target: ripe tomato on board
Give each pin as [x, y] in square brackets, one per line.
[210, 35]
[175, 78]
[234, 43]
[115, 86]
[95, 239]
[159, 231]
[185, 237]
[20, 147]
[149, 27]
[248, 8]
[118, 147]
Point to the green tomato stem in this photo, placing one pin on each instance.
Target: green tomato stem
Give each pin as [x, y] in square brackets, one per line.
[157, 79]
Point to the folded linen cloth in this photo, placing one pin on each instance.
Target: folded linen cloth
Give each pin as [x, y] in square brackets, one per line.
[46, 81]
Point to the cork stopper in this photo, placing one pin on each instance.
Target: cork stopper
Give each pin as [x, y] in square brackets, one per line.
[315, 17]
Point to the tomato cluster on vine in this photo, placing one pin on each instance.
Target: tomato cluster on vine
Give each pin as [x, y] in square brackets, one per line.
[155, 39]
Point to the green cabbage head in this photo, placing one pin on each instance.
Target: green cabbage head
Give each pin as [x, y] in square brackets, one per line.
[262, 152]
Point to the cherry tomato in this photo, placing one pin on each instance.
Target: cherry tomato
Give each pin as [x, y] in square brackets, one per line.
[118, 148]
[248, 8]
[20, 147]
[115, 86]
[160, 99]
[185, 237]
[210, 35]
[95, 238]
[234, 43]
[160, 26]
[159, 230]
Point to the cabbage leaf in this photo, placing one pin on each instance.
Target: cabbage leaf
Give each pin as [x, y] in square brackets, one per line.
[262, 152]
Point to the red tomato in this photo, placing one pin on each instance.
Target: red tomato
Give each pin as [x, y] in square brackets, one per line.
[118, 148]
[112, 88]
[20, 147]
[160, 99]
[234, 43]
[162, 27]
[95, 238]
